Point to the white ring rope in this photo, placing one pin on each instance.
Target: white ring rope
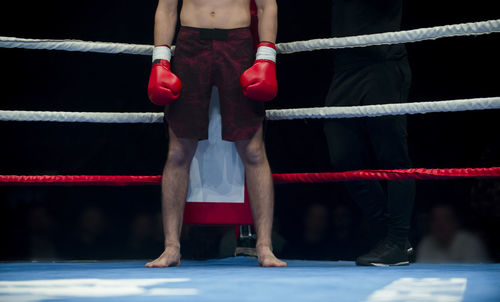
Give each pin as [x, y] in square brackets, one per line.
[385, 109]
[284, 114]
[76, 45]
[415, 35]
[432, 33]
[81, 117]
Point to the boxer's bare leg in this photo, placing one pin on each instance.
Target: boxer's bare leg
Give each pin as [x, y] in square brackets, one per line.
[260, 190]
[174, 189]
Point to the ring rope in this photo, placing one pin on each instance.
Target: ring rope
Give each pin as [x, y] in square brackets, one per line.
[385, 109]
[81, 117]
[281, 114]
[407, 36]
[125, 180]
[399, 174]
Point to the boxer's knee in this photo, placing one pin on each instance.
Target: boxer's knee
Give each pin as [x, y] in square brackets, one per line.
[181, 155]
[252, 153]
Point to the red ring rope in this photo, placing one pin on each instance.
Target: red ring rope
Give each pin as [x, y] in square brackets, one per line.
[401, 174]
[125, 180]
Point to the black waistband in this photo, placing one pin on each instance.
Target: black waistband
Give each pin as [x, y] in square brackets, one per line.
[214, 33]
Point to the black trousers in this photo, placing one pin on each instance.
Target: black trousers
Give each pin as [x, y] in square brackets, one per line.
[374, 143]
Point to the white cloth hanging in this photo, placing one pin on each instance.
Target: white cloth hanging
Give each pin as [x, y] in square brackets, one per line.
[217, 172]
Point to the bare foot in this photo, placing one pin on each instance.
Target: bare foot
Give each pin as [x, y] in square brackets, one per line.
[171, 256]
[267, 258]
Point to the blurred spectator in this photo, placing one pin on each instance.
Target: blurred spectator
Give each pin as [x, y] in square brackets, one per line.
[93, 235]
[228, 242]
[158, 220]
[345, 240]
[41, 233]
[143, 241]
[447, 242]
[200, 242]
[485, 193]
[485, 197]
[313, 242]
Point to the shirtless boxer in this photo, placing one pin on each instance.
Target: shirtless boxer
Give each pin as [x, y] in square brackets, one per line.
[214, 48]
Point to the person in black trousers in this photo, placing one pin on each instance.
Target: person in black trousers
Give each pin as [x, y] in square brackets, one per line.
[368, 76]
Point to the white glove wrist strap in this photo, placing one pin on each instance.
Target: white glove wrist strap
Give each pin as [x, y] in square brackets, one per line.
[266, 53]
[162, 53]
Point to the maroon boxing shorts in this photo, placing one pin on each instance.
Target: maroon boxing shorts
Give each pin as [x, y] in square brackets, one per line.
[213, 57]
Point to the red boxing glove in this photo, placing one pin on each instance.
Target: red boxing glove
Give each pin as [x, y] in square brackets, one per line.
[164, 86]
[259, 81]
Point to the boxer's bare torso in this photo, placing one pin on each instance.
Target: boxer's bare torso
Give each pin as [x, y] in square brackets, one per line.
[215, 13]
[226, 14]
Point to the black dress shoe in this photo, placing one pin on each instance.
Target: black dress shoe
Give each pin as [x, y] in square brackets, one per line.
[386, 253]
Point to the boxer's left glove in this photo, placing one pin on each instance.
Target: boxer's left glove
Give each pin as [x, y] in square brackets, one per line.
[259, 81]
[164, 86]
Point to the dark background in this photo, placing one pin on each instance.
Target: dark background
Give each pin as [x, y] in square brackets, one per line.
[451, 68]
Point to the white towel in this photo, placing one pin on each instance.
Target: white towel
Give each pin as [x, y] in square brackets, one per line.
[217, 173]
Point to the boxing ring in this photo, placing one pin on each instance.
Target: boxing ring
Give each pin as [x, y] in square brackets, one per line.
[239, 278]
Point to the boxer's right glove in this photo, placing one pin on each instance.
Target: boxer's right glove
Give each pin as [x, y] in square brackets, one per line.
[164, 86]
